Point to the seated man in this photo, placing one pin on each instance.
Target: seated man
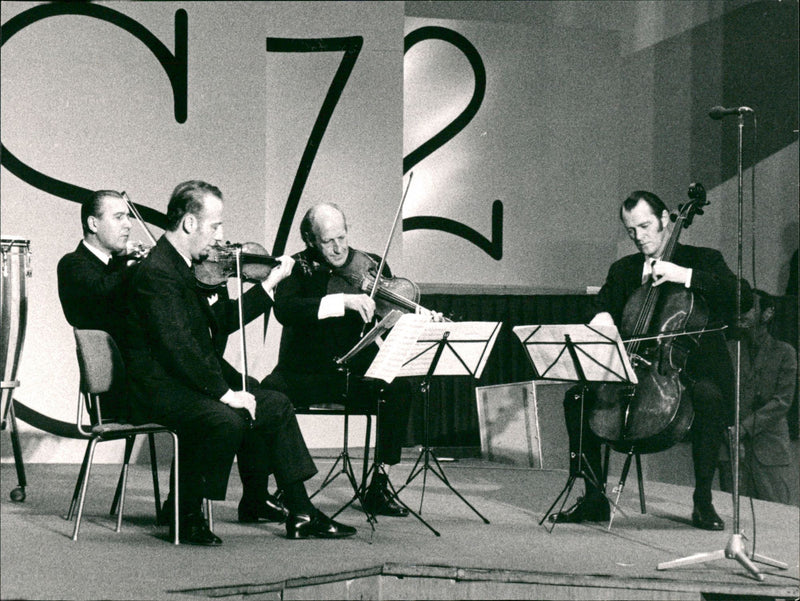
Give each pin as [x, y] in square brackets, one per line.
[321, 324]
[767, 383]
[92, 278]
[177, 377]
[709, 376]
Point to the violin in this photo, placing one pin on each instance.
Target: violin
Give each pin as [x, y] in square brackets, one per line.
[220, 264]
[358, 275]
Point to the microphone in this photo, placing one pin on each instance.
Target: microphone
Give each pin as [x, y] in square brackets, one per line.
[718, 112]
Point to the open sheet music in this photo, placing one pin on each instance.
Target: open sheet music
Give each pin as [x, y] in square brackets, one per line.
[599, 350]
[411, 346]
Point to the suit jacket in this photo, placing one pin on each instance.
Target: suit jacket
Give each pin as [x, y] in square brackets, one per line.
[91, 292]
[310, 345]
[712, 280]
[174, 341]
[768, 380]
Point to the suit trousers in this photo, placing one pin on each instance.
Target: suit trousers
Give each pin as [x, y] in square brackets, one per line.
[357, 394]
[706, 436]
[211, 433]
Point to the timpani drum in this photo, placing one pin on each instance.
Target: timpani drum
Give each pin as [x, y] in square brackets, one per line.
[15, 269]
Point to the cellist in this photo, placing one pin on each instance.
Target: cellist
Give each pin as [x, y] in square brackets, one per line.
[709, 374]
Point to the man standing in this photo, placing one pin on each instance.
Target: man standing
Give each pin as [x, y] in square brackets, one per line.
[767, 383]
[319, 325]
[177, 377]
[709, 375]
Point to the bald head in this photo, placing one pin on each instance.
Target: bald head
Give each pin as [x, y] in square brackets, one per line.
[324, 229]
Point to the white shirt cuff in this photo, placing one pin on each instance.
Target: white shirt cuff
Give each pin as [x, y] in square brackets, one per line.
[331, 305]
[688, 282]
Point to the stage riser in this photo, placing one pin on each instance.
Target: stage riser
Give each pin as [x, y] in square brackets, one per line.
[385, 587]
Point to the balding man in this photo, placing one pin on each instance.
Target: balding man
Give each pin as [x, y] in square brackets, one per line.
[318, 327]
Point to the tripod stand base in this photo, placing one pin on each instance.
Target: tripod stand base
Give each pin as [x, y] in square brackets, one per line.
[735, 549]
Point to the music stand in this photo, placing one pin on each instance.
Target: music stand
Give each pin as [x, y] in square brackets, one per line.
[383, 326]
[420, 347]
[576, 353]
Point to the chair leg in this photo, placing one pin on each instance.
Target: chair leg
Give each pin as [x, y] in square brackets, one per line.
[154, 470]
[365, 468]
[175, 494]
[82, 499]
[78, 483]
[123, 471]
[641, 482]
[210, 514]
[124, 480]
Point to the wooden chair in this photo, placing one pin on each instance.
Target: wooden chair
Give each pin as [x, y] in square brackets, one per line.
[102, 371]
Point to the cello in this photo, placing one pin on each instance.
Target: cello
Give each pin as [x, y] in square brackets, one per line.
[661, 326]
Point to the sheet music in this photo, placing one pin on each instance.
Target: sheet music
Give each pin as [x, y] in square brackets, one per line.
[600, 351]
[411, 346]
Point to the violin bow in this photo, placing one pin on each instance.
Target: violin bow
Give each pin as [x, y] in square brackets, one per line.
[136, 214]
[389, 241]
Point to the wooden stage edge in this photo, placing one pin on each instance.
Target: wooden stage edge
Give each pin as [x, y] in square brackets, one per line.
[529, 584]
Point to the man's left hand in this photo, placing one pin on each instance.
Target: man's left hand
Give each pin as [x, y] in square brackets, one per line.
[279, 273]
[664, 271]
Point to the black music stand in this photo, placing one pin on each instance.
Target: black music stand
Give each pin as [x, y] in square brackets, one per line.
[435, 349]
[576, 353]
[383, 326]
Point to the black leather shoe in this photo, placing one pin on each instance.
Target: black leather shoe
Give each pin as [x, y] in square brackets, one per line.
[315, 525]
[587, 509]
[380, 501]
[195, 531]
[705, 517]
[269, 510]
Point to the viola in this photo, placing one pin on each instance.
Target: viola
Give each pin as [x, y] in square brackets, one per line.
[220, 264]
[358, 274]
[662, 325]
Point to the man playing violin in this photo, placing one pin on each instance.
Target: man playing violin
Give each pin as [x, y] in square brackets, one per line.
[177, 376]
[320, 325]
[92, 278]
[709, 374]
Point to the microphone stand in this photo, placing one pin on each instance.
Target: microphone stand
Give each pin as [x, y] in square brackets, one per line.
[736, 548]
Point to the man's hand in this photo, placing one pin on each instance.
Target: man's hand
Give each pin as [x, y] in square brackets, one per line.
[281, 272]
[664, 271]
[434, 316]
[240, 399]
[361, 303]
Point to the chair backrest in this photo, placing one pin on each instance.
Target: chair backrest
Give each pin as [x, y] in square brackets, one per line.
[102, 377]
[100, 361]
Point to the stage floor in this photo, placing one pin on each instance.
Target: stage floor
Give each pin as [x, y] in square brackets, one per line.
[511, 557]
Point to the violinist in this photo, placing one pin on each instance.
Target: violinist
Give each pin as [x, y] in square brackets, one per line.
[178, 377]
[709, 374]
[92, 278]
[321, 322]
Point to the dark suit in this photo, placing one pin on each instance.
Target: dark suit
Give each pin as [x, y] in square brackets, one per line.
[91, 292]
[92, 298]
[709, 374]
[173, 348]
[306, 370]
[768, 381]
